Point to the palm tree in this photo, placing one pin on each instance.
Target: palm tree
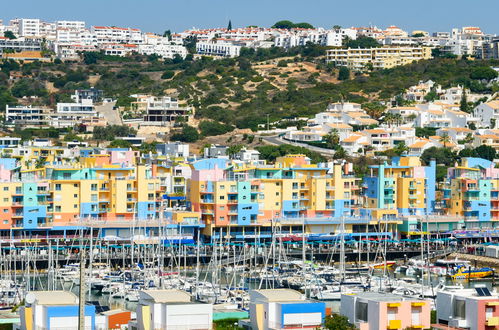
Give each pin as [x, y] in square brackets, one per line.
[445, 139]
[400, 148]
[340, 153]
[332, 138]
[469, 138]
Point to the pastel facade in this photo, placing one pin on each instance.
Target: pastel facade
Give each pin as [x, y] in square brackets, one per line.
[171, 309]
[379, 58]
[245, 198]
[405, 187]
[284, 309]
[466, 309]
[471, 192]
[373, 311]
[54, 310]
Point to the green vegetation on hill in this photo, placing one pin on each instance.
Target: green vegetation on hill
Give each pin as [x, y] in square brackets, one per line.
[285, 24]
[238, 92]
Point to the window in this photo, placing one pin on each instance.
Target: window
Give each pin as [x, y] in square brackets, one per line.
[5, 188]
[222, 208]
[6, 200]
[150, 186]
[5, 210]
[58, 186]
[222, 218]
[66, 176]
[459, 309]
[93, 187]
[75, 195]
[222, 187]
[222, 197]
[75, 206]
[75, 185]
[5, 222]
[361, 311]
[277, 193]
[93, 197]
[58, 208]
[416, 315]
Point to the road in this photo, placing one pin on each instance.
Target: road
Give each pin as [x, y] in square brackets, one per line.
[112, 116]
[276, 140]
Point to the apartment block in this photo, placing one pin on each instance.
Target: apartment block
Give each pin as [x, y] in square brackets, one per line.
[360, 59]
[401, 188]
[471, 192]
[373, 311]
[243, 199]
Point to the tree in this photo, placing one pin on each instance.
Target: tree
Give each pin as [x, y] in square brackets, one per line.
[463, 106]
[234, 149]
[188, 134]
[469, 138]
[109, 133]
[285, 24]
[337, 322]
[211, 128]
[400, 148]
[91, 57]
[362, 42]
[486, 152]
[304, 25]
[9, 34]
[445, 139]
[344, 73]
[431, 96]
[340, 153]
[167, 34]
[282, 64]
[118, 143]
[483, 73]
[443, 156]
[332, 139]
[467, 152]
[167, 74]
[418, 35]
[336, 27]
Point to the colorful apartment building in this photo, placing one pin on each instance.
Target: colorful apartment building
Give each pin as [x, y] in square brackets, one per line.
[373, 311]
[473, 309]
[244, 198]
[402, 188]
[471, 193]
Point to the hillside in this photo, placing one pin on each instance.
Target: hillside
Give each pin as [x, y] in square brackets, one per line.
[234, 92]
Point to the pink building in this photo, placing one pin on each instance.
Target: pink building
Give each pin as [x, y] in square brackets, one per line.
[474, 309]
[373, 311]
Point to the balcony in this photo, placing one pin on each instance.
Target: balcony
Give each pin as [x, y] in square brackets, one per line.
[207, 201]
[18, 215]
[394, 324]
[493, 321]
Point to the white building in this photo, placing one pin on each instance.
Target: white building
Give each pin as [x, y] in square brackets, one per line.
[488, 114]
[284, 309]
[218, 48]
[467, 308]
[29, 27]
[72, 25]
[171, 309]
[84, 106]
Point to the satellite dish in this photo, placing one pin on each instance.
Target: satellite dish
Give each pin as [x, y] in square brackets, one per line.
[30, 298]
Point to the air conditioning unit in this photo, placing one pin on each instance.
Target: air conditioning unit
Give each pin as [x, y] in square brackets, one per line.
[458, 323]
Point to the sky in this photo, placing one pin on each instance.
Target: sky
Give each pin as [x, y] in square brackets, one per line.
[178, 15]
